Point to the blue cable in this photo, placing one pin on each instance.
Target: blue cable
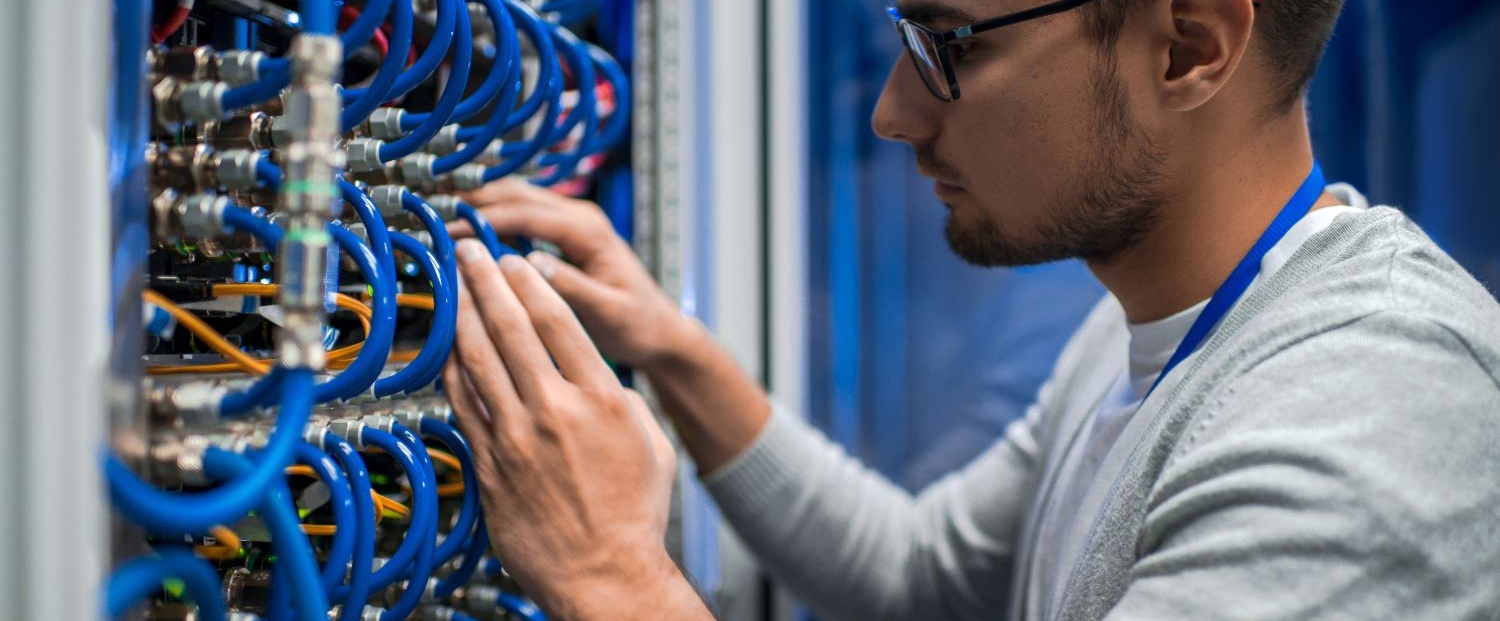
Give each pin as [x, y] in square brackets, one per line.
[417, 527]
[408, 449]
[368, 364]
[479, 139]
[484, 231]
[499, 69]
[479, 545]
[566, 165]
[320, 17]
[196, 512]
[444, 321]
[341, 550]
[520, 607]
[359, 103]
[442, 246]
[548, 71]
[238, 218]
[364, 512]
[453, 93]
[294, 555]
[619, 121]
[142, 577]
[437, 49]
[469, 510]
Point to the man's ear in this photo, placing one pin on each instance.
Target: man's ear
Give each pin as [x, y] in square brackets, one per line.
[1202, 43]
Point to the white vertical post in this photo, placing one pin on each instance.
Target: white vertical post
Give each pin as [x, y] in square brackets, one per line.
[53, 336]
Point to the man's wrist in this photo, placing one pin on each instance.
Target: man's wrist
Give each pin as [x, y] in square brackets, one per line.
[682, 341]
[646, 585]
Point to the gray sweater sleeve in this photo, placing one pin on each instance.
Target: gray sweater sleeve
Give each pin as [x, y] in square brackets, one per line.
[1355, 475]
[854, 546]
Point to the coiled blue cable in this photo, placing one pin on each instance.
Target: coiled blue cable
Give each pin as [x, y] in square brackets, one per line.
[444, 321]
[409, 451]
[358, 590]
[341, 499]
[341, 493]
[468, 511]
[196, 512]
[618, 125]
[520, 607]
[483, 230]
[500, 120]
[566, 164]
[479, 545]
[359, 103]
[453, 92]
[371, 15]
[142, 577]
[294, 555]
[437, 49]
[499, 69]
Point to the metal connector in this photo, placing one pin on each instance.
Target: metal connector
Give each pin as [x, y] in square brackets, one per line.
[380, 422]
[236, 169]
[408, 417]
[202, 101]
[385, 123]
[202, 215]
[184, 63]
[492, 155]
[364, 155]
[352, 431]
[251, 131]
[387, 199]
[240, 67]
[468, 177]
[446, 206]
[445, 142]
[437, 613]
[416, 169]
[481, 599]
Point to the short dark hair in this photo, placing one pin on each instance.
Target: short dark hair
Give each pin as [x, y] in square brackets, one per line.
[1293, 34]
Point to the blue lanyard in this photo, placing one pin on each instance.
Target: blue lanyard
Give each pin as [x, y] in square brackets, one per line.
[1239, 280]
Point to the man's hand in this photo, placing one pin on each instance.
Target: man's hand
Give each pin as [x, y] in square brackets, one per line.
[629, 317]
[575, 474]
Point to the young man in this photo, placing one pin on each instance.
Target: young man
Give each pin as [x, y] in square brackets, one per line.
[1287, 408]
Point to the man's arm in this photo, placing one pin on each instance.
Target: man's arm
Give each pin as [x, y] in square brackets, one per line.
[837, 534]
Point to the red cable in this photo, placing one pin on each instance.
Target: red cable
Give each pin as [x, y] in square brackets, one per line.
[174, 21]
[349, 14]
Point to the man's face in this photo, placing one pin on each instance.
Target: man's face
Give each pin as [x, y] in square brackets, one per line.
[1041, 158]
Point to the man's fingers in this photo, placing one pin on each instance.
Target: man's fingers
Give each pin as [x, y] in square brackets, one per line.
[473, 420]
[493, 305]
[486, 372]
[579, 289]
[557, 326]
[579, 228]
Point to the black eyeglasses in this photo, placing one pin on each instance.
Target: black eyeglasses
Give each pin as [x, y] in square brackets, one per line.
[929, 49]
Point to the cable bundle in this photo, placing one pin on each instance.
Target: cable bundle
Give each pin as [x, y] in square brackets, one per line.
[248, 452]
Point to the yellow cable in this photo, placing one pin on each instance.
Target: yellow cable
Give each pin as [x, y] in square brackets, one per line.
[210, 336]
[446, 459]
[338, 358]
[422, 302]
[226, 546]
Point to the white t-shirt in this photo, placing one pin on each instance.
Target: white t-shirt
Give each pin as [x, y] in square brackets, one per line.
[1151, 347]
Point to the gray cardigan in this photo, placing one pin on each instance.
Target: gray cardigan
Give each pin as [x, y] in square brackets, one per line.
[1333, 452]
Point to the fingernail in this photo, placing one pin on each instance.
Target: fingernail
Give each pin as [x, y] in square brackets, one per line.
[470, 251]
[510, 263]
[543, 263]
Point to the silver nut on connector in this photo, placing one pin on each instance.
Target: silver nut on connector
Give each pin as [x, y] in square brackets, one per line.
[442, 412]
[468, 177]
[410, 418]
[203, 101]
[492, 155]
[387, 199]
[364, 155]
[166, 98]
[481, 598]
[380, 423]
[437, 613]
[316, 58]
[240, 615]
[240, 67]
[359, 231]
[421, 236]
[352, 431]
[385, 123]
[202, 215]
[283, 131]
[445, 205]
[445, 142]
[416, 169]
[315, 432]
[372, 613]
[237, 169]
